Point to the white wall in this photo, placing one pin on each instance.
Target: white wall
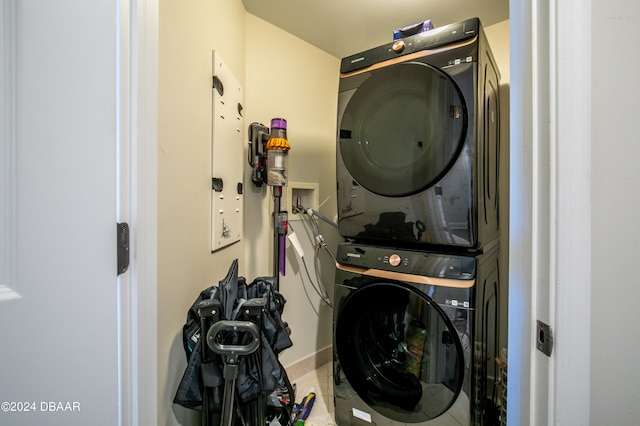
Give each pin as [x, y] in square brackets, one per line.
[615, 183]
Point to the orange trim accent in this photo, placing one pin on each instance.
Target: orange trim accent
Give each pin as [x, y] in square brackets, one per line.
[409, 57]
[400, 276]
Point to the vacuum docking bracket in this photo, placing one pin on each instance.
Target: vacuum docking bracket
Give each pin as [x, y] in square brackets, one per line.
[258, 137]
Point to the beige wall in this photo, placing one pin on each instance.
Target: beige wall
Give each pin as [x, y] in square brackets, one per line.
[189, 31]
[498, 36]
[289, 78]
[281, 77]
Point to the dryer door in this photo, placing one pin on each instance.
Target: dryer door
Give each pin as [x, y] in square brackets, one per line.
[402, 129]
[399, 351]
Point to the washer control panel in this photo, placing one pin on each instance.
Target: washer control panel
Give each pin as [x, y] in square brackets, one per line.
[408, 261]
[395, 259]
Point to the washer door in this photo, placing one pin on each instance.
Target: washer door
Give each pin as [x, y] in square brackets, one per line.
[402, 129]
[399, 352]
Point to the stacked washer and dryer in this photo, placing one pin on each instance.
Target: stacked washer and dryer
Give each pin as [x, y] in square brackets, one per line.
[416, 303]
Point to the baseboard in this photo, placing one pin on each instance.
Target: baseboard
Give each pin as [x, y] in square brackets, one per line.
[305, 365]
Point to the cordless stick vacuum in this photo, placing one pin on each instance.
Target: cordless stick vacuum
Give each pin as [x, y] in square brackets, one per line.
[277, 156]
[268, 156]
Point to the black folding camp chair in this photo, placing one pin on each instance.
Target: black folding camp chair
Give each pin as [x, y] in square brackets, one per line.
[239, 333]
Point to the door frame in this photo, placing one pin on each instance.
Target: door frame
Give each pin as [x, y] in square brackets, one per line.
[556, 196]
[550, 219]
[138, 206]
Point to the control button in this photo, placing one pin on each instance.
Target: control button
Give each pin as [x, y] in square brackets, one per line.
[394, 260]
[398, 46]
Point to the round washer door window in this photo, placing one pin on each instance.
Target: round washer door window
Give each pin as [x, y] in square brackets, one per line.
[399, 352]
[402, 129]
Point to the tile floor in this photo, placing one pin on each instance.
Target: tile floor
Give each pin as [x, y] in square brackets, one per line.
[320, 382]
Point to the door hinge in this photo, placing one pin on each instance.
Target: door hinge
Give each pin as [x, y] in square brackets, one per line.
[122, 244]
[544, 338]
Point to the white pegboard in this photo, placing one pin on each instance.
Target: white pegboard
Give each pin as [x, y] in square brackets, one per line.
[227, 155]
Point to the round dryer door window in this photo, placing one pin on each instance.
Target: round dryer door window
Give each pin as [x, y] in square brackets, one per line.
[399, 352]
[402, 129]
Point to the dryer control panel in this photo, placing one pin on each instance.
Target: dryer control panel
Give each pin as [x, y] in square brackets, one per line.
[432, 39]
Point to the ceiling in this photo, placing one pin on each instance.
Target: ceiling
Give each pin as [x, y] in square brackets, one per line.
[346, 27]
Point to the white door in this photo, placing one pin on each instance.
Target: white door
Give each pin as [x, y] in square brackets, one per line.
[58, 298]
